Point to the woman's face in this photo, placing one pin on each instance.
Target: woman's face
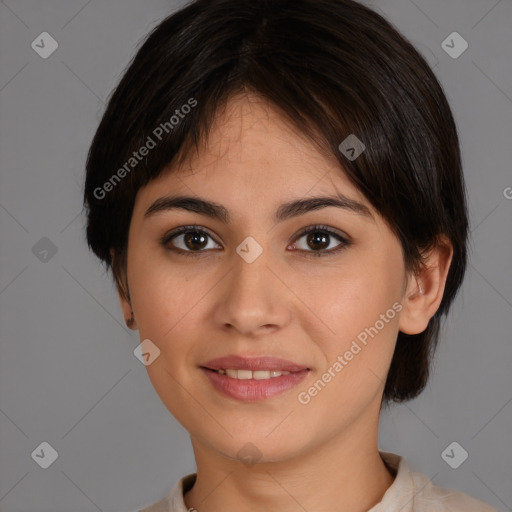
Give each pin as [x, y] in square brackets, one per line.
[257, 288]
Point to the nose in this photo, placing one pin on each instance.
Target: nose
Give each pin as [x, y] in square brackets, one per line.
[252, 299]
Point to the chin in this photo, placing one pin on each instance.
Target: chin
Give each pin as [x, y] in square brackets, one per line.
[251, 450]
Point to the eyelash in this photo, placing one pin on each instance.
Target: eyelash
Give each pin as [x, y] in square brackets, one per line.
[311, 229]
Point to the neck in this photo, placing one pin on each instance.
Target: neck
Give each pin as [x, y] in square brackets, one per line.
[345, 473]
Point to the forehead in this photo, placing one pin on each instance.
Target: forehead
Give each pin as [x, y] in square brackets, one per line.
[255, 165]
[252, 148]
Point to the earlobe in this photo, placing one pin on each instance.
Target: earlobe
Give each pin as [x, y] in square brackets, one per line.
[127, 311]
[130, 322]
[413, 319]
[124, 301]
[425, 289]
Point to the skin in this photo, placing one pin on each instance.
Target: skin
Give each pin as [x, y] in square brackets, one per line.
[286, 304]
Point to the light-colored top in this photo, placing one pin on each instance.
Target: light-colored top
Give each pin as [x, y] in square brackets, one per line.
[409, 492]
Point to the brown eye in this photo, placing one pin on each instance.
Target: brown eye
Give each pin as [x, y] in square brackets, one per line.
[318, 239]
[187, 240]
[194, 240]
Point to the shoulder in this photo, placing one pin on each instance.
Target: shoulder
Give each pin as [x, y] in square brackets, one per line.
[410, 492]
[415, 492]
[173, 502]
[433, 498]
[164, 505]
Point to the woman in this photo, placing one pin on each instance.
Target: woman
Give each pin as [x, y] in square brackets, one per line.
[276, 186]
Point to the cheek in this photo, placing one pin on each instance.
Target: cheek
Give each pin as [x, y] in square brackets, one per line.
[165, 300]
[346, 300]
[357, 347]
[354, 315]
[162, 295]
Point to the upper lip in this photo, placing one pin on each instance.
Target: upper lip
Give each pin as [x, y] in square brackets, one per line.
[253, 363]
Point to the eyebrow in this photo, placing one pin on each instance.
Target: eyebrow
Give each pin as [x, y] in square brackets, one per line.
[285, 211]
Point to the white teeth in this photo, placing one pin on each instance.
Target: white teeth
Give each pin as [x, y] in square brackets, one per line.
[278, 374]
[261, 374]
[248, 374]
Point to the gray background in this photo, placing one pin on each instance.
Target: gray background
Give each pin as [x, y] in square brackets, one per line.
[68, 375]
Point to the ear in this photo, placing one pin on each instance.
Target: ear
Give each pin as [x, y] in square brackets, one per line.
[424, 290]
[124, 298]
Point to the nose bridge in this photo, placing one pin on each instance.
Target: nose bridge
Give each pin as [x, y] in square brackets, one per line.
[250, 264]
[253, 296]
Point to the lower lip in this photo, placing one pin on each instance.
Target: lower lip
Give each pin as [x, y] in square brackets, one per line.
[252, 390]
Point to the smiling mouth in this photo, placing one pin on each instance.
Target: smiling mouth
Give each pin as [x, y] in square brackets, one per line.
[253, 385]
[250, 374]
[253, 378]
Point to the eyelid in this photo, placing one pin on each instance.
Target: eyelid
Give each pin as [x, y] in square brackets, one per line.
[321, 227]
